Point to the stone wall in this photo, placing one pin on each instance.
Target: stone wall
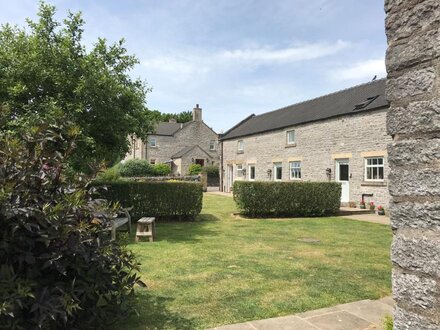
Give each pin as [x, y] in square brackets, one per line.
[318, 145]
[413, 88]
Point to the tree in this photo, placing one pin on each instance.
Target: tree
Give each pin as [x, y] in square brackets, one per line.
[46, 72]
[181, 117]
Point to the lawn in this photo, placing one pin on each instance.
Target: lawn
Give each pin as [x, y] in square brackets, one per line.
[221, 269]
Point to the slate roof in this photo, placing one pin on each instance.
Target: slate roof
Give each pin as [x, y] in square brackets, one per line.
[356, 99]
[185, 150]
[165, 128]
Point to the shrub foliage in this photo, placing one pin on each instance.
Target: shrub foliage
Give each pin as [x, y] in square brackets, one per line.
[303, 199]
[194, 169]
[58, 268]
[136, 167]
[181, 200]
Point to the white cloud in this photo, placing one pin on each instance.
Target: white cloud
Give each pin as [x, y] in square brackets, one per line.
[360, 70]
[292, 54]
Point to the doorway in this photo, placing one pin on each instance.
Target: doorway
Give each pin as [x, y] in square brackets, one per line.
[343, 177]
[200, 162]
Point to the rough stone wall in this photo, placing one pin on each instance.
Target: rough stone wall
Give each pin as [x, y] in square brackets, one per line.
[195, 133]
[413, 88]
[317, 146]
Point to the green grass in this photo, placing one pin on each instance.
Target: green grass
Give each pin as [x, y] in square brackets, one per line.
[221, 269]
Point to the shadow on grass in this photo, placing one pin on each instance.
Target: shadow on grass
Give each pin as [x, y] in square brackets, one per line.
[153, 313]
[184, 231]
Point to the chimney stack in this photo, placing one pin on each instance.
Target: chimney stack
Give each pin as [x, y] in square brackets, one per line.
[197, 113]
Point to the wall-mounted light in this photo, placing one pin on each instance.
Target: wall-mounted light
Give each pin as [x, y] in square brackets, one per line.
[328, 172]
[269, 173]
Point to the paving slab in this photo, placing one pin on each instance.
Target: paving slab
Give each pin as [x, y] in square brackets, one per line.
[382, 219]
[340, 320]
[283, 323]
[369, 310]
[238, 326]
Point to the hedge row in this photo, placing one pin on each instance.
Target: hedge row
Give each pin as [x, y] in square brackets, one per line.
[296, 199]
[182, 200]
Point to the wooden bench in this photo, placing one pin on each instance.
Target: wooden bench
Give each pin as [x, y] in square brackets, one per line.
[146, 227]
[120, 221]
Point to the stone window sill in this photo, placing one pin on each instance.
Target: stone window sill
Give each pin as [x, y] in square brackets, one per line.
[374, 183]
[240, 152]
[290, 145]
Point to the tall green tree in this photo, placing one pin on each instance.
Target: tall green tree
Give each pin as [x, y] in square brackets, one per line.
[47, 72]
[180, 117]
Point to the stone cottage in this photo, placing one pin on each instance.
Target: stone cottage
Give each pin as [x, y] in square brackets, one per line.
[340, 137]
[179, 145]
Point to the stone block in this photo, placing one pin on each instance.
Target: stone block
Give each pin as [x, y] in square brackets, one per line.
[415, 215]
[407, 17]
[406, 320]
[419, 251]
[419, 116]
[422, 48]
[414, 290]
[414, 182]
[411, 84]
[414, 152]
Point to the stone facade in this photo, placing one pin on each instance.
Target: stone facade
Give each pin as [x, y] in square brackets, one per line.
[318, 146]
[413, 64]
[194, 133]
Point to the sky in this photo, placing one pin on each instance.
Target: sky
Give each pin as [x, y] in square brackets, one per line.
[234, 57]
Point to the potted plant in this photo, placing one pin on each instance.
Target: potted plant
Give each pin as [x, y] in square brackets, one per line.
[352, 204]
[362, 204]
[380, 210]
[372, 206]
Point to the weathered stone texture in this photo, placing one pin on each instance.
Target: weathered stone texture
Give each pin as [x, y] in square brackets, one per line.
[419, 116]
[317, 146]
[415, 215]
[415, 290]
[406, 320]
[412, 152]
[413, 83]
[417, 251]
[411, 17]
[414, 182]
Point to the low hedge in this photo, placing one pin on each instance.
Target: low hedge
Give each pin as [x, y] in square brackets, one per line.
[182, 200]
[293, 199]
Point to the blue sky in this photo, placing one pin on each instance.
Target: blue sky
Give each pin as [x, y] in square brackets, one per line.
[235, 57]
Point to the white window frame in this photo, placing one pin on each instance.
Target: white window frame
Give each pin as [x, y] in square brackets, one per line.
[239, 170]
[212, 145]
[153, 145]
[288, 135]
[372, 166]
[297, 166]
[275, 166]
[240, 146]
[250, 172]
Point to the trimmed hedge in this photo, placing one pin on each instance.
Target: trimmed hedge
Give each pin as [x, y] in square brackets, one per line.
[293, 199]
[182, 200]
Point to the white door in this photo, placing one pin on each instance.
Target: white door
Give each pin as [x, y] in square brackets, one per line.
[230, 178]
[343, 176]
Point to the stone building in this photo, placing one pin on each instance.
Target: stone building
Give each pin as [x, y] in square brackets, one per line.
[179, 145]
[341, 136]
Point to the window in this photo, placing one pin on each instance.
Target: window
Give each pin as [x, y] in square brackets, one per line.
[278, 171]
[152, 161]
[212, 145]
[251, 172]
[153, 142]
[239, 169]
[374, 169]
[240, 146]
[295, 170]
[291, 137]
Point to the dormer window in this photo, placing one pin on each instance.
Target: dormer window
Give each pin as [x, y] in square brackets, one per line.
[240, 146]
[290, 136]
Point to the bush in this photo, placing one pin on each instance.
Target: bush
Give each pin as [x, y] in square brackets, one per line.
[158, 199]
[194, 169]
[136, 167]
[212, 171]
[302, 199]
[161, 170]
[110, 174]
[59, 270]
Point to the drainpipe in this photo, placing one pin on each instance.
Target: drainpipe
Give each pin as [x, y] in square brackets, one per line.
[221, 167]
